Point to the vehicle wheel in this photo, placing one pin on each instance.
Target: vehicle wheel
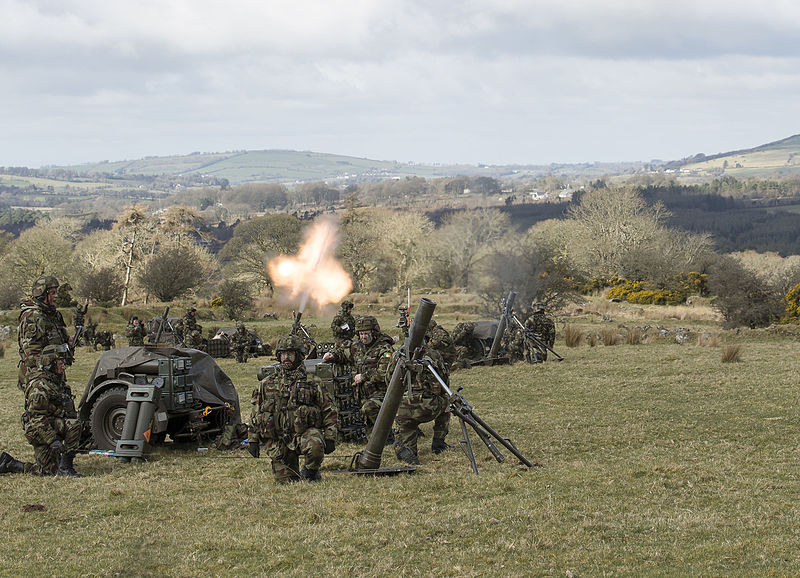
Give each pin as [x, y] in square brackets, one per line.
[108, 417]
[478, 350]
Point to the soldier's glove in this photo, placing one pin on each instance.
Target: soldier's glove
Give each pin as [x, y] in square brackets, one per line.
[330, 446]
[57, 447]
[254, 448]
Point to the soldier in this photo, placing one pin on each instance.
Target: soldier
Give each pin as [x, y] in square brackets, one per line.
[240, 342]
[135, 332]
[439, 339]
[90, 333]
[292, 415]
[423, 401]
[104, 339]
[50, 421]
[192, 331]
[368, 357]
[79, 315]
[343, 325]
[513, 342]
[543, 327]
[462, 339]
[40, 324]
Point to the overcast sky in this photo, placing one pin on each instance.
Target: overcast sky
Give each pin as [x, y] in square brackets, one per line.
[494, 81]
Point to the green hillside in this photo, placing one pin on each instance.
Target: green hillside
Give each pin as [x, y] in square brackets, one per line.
[777, 158]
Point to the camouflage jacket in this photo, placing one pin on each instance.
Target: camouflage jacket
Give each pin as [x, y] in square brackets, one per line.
[190, 324]
[423, 383]
[462, 333]
[371, 361]
[287, 403]
[343, 326]
[38, 327]
[47, 397]
[543, 327]
[135, 334]
[241, 340]
[78, 316]
[439, 339]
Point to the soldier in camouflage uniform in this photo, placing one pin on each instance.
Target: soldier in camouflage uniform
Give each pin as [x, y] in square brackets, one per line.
[343, 325]
[50, 421]
[423, 401]
[368, 358]
[462, 339]
[240, 342]
[543, 327]
[135, 332]
[513, 342]
[90, 333]
[292, 416]
[439, 339]
[192, 331]
[104, 340]
[79, 315]
[40, 324]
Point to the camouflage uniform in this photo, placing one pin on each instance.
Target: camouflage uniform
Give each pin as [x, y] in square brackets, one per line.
[343, 325]
[241, 343]
[371, 362]
[439, 339]
[192, 331]
[462, 339]
[513, 342]
[50, 421]
[293, 415]
[90, 332]
[543, 327]
[103, 339]
[39, 325]
[79, 315]
[135, 332]
[423, 401]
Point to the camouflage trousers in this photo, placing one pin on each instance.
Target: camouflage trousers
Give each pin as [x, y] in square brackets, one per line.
[369, 410]
[418, 410]
[286, 457]
[240, 353]
[45, 459]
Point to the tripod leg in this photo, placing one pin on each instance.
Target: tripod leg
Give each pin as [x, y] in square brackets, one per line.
[466, 446]
[485, 438]
[507, 444]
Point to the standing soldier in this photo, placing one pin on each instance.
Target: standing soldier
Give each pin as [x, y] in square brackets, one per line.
[135, 332]
[343, 325]
[423, 401]
[241, 343]
[40, 324]
[192, 331]
[292, 415]
[439, 339]
[50, 422]
[79, 315]
[368, 358]
[543, 327]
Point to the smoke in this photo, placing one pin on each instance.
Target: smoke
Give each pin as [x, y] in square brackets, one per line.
[313, 273]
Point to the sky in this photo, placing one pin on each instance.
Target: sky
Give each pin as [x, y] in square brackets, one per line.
[429, 81]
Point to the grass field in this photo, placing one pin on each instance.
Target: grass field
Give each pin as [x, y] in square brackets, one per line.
[655, 459]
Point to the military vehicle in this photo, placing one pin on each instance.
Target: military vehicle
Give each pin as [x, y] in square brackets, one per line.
[139, 395]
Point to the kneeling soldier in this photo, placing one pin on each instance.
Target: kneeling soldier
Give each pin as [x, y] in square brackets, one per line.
[292, 415]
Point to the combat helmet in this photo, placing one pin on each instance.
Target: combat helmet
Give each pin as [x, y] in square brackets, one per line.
[290, 343]
[42, 285]
[368, 323]
[51, 353]
[537, 307]
[239, 325]
[347, 305]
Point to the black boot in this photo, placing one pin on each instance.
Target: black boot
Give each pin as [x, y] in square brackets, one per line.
[439, 445]
[310, 475]
[65, 467]
[8, 465]
[408, 456]
[390, 438]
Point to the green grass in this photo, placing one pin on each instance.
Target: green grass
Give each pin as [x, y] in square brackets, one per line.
[656, 459]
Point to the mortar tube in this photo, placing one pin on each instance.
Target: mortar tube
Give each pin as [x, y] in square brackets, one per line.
[370, 457]
[129, 426]
[501, 328]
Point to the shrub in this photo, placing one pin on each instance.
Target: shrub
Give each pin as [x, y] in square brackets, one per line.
[742, 298]
[235, 296]
[731, 353]
[572, 336]
[633, 336]
[171, 273]
[102, 286]
[610, 337]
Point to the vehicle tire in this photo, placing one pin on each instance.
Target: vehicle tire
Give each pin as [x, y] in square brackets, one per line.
[108, 417]
[478, 350]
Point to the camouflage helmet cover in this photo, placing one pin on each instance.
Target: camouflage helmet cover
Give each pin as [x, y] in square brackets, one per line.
[51, 353]
[239, 325]
[367, 323]
[347, 304]
[42, 285]
[290, 343]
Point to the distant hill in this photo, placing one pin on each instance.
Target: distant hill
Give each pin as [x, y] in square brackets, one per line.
[779, 158]
[285, 166]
